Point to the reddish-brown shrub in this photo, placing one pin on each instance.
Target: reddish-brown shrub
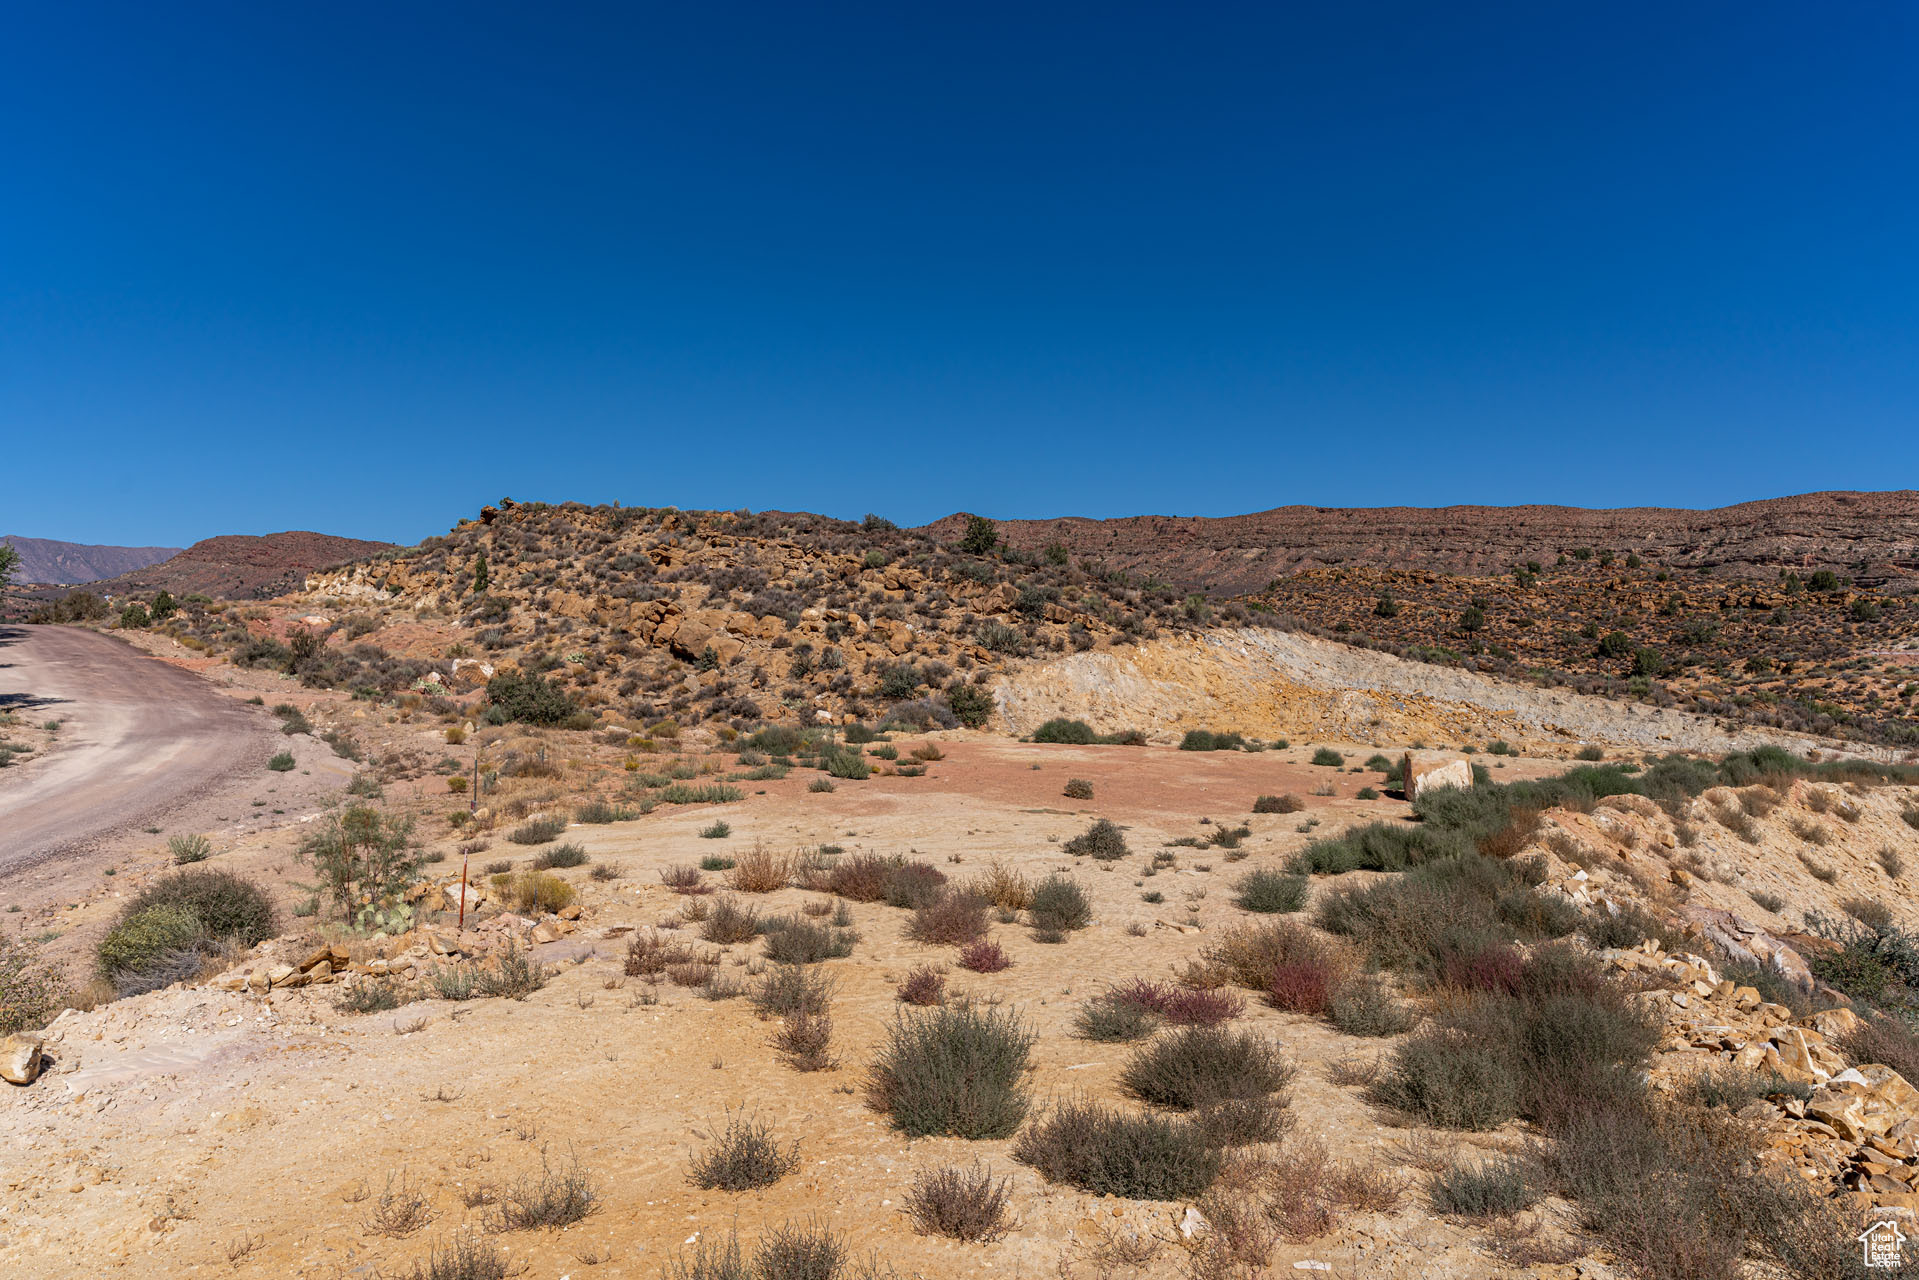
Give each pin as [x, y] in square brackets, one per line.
[1493, 968]
[1303, 985]
[924, 985]
[953, 918]
[983, 956]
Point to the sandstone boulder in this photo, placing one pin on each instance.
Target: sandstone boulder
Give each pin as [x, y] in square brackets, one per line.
[20, 1059]
[1423, 772]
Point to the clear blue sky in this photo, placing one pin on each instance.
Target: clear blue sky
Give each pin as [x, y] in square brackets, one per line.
[361, 268]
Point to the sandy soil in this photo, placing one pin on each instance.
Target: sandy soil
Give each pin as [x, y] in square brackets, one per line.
[192, 1124]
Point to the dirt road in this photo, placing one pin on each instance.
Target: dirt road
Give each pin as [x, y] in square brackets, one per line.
[138, 740]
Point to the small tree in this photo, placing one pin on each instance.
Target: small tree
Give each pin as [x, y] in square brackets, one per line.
[164, 606]
[1387, 607]
[480, 578]
[981, 536]
[9, 564]
[134, 617]
[1473, 619]
[1617, 644]
[365, 866]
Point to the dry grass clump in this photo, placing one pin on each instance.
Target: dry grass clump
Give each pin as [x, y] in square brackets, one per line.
[684, 879]
[651, 954]
[760, 870]
[538, 891]
[401, 1209]
[965, 1204]
[464, 1258]
[1004, 887]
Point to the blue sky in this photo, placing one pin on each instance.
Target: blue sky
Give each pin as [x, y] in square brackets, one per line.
[361, 268]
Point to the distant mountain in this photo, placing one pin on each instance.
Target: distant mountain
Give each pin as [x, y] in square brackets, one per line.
[68, 563]
[1873, 538]
[242, 566]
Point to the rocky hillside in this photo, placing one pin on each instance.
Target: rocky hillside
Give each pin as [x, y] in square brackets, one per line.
[44, 560]
[735, 617]
[1872, 537]
[242, 566]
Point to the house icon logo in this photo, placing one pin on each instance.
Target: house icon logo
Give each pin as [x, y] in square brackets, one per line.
[1884, 1244]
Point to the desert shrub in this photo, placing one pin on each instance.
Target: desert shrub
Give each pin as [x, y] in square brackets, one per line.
[729, 922]
[1446, 1078]
[599, 813]
[1884, 1039]
[141, 941]
[956, 1070]
[537, 892]
[32, 988]
[1078, 789]
[861, 877]
[959, 1203]
[514, 977]
[700, 793]
[803, 1040]
[846, 764]
[1059, 905]
[971, 706]
[1626, 926]
[282, 762]
[760, 870]
[1251, 956]
[792, 988]
[560, 855]
[1493, 1187]
[189, 848]
[953, 918]
[1270, 892]
[528, 698]
[229, 907]
[1106, 1152]
[742, 1156]
[1362, 1006]
[683, 879]
[923, 986]
[1005, 888]
[1207, 740]
[538, 830]
[1278, 804]
[1112, 1017]
[1733, 1088]
[1415, 921]
[1198, 1067]
[791, 940]
[1379, 846]
[554, 1197]
[1074, 732]
[1328, 758]
[912, 885]
[464, 1257]
[984, 956]
[1103, 841]
[370, 997]
[718, 829]
[718, 862]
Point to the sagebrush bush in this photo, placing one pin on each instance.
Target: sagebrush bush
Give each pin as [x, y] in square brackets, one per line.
[1269, 892]
[1060, 905]
[557, 1196]
[954, 918]
[964, 1204]
[538, 830]
[1195, 1067]
[793, 988]
[1362, 1006]
[1102, 841]
[538, 892]
[728, 922]
[742, 1156]
[956, 1070]
[792, 940]
[1493, 1187]
[1078, 789]
[560, 855]
[911, 885]
[1107, 1152]
[760, 870]
[1278, 804]
[1073, 732]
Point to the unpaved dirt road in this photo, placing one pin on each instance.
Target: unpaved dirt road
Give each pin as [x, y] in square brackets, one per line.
[138, 739]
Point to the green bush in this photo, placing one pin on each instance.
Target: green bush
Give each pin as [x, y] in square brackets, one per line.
[743, 1156]
[538, 830]
[1084, 1145]
[1073, 732]
[283, 762]
[847, 764]
[187, 848]
[972, 705]
[956, 1070]
[141, 939]
[229, 907]
[1278, 804]
[1197, 1067]
[1102, 841]
[1271, 892]
[560, 855]
[1208, 740]
[528, 698]
[1059, 905]
[365, 863]
[1362, 1006]
[1328, 757]
[1494, 1187]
